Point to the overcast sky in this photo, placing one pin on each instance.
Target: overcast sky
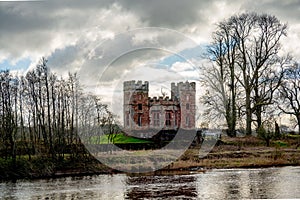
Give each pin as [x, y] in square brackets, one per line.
[105, 40]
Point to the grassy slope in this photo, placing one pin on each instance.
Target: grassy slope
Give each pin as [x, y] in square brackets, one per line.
[120, 139]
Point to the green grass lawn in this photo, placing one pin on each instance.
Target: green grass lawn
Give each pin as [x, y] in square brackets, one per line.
[293, 136]
[119, 138]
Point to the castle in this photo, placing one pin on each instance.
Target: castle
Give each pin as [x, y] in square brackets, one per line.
[142, 112]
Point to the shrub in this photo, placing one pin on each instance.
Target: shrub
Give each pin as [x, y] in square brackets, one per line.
[265, 135]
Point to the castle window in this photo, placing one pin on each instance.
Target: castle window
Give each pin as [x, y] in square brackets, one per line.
[168, 118]
[187, 106]
[140, 120]
[127, 119]
[187, 97]
[140, 107]
[156, 119]
[187, 121]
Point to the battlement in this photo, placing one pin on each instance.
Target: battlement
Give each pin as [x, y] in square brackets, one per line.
[176, 89]
[160, 99]
[133, 85]
[183, 86]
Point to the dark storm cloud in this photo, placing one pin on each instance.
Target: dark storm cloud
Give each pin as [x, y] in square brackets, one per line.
[70, 33]
[12, 22]
[45, 15]
[169, 13]
[33, 26]
[62, 58]
[44, 27]
[30, 16]
[288, 10]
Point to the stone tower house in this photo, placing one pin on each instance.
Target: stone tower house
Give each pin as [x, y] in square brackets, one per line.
[136, 105]
[185, 94]
[142, 112]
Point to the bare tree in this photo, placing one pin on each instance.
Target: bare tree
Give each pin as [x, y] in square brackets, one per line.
[258, 50]
[41, 114]
[9, 116]
[247, 46]
[220, 77]
[289, 92]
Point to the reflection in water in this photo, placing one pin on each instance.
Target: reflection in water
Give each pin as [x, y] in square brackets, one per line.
[250, 183]
[146, 187]
[88, 187]
[215, 184]
[236, 184]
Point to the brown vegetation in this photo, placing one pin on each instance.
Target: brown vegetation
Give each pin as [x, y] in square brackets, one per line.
[242, 152]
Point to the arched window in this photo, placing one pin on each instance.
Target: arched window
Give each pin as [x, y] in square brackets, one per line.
[127, 119]
[187, 121]
[140, 120]
[168, 118]
[140, 106]
[156, 118]
[187, 106]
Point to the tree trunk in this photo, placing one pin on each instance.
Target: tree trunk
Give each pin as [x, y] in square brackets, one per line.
[298, 121]
[48, 115]
[248, 114]
[233, 102]
[258, 116]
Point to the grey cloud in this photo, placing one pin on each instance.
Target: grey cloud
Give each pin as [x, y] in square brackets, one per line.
[33, 26]
[37, 27]
[168, 13]
[110, 59]
[285, 10]
[63, 58]
[132, 61]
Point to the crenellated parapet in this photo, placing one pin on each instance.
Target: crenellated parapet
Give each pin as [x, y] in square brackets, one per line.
[191, 86]
[162, 101]
[177, 89]
[135, 86]
[159, 99]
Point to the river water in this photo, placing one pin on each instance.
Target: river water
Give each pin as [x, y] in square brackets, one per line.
[214, 184]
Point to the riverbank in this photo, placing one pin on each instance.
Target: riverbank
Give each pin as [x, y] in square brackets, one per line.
[250, 158]
[247, 152]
